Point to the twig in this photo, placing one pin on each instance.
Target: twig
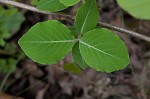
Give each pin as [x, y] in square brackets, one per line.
[83, 1]
[4, 81]
[24, 6]
[118, 29]
[106, 25]
[30, 8]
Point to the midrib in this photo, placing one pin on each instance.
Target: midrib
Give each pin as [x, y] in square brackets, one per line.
[100, 50]
[64, 41]
[86, 17]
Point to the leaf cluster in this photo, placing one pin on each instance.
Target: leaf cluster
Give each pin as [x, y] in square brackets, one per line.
[50, 41]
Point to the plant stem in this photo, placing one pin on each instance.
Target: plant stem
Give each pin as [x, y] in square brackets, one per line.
[30, 8]
[102, 24]
[118, 29]
[4, 81]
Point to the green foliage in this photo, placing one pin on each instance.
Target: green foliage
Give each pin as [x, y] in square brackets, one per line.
[50, 5]
[10, 48]
[10, 21]
[8, 65]
[73, 30]
[2, 42]
[34, 2]
[53, 5]
[78, 57]
[87, 17]
[71, 67]
[48, 42]
[103, 50]
[137, 8]
[69, 2]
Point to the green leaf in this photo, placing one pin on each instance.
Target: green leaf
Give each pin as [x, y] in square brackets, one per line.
[78, 57]
[5, 34]
[34, 2]
[10, 48]
[50, 5]
[73, 30]
[2, 42]
[103, 50]
[87, 17]
[47, 42]
[10, 21]
[137, 8]
[69, 2]
[8, 65]
[71, 67]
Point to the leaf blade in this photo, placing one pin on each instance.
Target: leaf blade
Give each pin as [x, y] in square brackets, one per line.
[50, 5]
[99, 48]
[73, 30]
[47, 42]
[10, 21]
[73, 68]
[87, 17]
[69, 2]
[138, 9]
[78, 57]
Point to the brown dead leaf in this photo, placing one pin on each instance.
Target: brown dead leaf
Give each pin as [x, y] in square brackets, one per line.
[7, 96]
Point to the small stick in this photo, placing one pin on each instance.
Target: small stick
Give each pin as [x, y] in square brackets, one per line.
[102, 24]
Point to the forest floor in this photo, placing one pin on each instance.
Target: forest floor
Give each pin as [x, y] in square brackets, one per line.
[34, 81]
